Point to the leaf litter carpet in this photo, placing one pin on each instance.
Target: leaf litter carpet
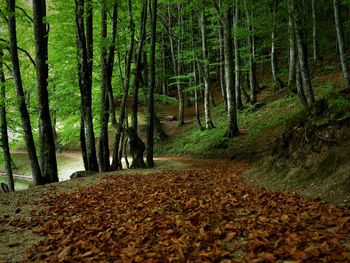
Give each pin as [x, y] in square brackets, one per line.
[204, 214]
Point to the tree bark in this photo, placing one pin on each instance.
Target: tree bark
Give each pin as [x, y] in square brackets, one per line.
[46, 140]
[222, 67]
[116, 163]
[196, 104]
[103, 146]
[237, 59]
[341, 44]
[302, 55]
[139, 66]
[3, 126]
[315, 46]
[85, 58]
[151, 87]
[274, 65]
[229, 74]
[251, 50]
[25, 118]
[292, 52]
[180, 92]
[206, 76]
[299, 87]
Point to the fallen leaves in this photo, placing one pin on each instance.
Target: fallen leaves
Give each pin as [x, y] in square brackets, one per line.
[199, 215]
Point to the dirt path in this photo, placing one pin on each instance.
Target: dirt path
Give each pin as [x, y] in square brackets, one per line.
[202, 213]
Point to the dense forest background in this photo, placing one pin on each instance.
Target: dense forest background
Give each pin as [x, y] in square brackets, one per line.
[97, 72]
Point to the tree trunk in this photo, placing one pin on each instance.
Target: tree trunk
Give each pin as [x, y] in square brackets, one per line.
[110, 64]
[237, 60]
[229, 75]
[299, 87]
[107, 99]
[314, 32]
[222, 67]
[341, 44]
[180, 92]
[85, 57]
[3, 126]
[115, 162]
[151, 86]
[292, 52]
[103, 146]
[206, 76]
[274, 66]
[302, 55]
[46, 140]
[27, 127]
[251, 50]
[196, 104]
[139, 66]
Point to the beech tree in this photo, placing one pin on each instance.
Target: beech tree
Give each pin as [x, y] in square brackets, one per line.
[151, 85]
[84, 33]
[25, 117]
[3, 127]
[46, 140]
[341, 43]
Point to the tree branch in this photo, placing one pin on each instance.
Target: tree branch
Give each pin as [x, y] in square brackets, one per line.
[21, 49]
[3, 15]
[25, 13]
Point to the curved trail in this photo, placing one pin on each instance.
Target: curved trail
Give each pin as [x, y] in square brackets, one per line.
[204, 213]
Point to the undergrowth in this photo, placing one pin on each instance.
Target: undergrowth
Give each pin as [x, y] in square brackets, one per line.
[258, 129]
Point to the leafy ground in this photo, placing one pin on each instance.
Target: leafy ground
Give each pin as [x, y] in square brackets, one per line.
[204, 213]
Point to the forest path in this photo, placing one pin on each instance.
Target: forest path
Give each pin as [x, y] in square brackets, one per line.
[202, 213]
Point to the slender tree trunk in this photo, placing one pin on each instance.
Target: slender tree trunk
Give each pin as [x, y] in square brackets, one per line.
[103, 146]
[151, 86]
[314, 32]
[138, 69]
[179, 71]
[302, 55]
[229, 74]
[115, 162]
[46, 140]
[208, 121]
[3, 126]
[341, 44]
[27, 127]
[85, 58]
[110, 64]
[237, 59]
[196, 104]
[251, 50]
[274, 65]
[299, 87]
[222, 67]
[292, 52]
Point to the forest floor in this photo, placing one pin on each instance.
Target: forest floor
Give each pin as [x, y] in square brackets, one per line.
[184, 210]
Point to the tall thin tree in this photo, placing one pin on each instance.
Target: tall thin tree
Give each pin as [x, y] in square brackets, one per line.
[3, 127]
[85, 59]
[341, 43]
[25, 118]
[151, 86]
[46, 139]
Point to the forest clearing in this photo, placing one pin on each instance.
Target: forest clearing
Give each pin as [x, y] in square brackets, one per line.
[175, 131]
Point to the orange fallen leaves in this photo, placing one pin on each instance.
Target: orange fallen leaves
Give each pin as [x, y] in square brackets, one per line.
[200, 215]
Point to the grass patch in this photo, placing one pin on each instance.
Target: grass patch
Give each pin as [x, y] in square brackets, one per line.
[258, 128]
